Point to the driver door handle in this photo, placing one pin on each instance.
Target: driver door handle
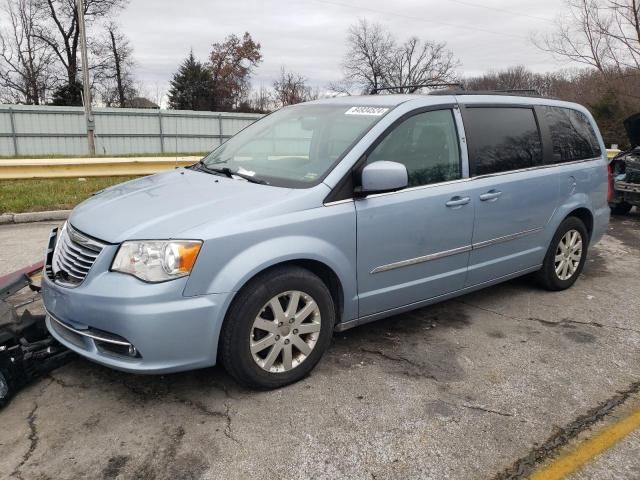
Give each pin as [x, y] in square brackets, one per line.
[490, 195]
[458, 201]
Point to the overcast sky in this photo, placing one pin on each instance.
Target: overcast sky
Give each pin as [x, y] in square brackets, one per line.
[308, 36]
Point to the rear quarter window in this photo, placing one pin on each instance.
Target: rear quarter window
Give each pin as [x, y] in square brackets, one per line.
[502, 139]
[572, 135]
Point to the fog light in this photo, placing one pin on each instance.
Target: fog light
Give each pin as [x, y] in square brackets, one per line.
[133, 352]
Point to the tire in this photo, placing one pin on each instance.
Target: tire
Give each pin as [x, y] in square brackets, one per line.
[547, 276]
[275, 331]
[621, 208]
[5, 389]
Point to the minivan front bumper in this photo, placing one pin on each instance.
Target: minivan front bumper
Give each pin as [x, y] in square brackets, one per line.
[121, 322]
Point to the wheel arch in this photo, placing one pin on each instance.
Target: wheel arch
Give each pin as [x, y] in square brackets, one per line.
[323, 271]
[327, 274]
[585, 215]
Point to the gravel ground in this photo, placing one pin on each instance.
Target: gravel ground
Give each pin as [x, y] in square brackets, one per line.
[467, 389]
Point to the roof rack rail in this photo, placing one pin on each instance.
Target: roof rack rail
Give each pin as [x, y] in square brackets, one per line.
[511, 92]
[527, 91]
[415, 88]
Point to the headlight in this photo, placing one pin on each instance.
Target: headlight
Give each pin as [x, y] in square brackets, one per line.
[157, 260]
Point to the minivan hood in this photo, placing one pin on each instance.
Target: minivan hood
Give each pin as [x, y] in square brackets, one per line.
[163, 205]
[632, 126]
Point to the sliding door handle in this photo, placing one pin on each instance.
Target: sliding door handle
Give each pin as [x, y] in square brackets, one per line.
[458, 201]
[490, 195]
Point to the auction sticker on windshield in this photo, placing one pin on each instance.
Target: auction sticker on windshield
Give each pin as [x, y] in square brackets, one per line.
[373, 111]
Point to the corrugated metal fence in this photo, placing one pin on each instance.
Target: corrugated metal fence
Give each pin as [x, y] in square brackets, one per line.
[39, 130]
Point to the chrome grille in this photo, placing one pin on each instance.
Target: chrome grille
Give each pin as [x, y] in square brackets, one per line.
[73, 256]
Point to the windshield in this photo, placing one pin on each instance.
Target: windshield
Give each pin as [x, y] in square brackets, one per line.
[296, 146]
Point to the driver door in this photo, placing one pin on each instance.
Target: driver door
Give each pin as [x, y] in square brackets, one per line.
[414, 244]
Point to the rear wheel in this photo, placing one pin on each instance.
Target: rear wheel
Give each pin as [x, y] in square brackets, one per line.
[5, 389]
[621, 208]
[278, 328]
[566, 256]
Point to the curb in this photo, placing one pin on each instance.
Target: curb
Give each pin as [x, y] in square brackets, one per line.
[32, 217]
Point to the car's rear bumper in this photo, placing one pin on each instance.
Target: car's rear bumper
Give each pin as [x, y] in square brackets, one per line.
[601, 219]
[123, 323]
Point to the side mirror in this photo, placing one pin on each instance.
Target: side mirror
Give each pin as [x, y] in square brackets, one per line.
[382, 176]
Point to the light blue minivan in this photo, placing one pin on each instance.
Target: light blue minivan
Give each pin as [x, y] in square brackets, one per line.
[325, 216]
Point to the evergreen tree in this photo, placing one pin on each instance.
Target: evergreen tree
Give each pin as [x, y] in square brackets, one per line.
[68, 95]
[192, 87]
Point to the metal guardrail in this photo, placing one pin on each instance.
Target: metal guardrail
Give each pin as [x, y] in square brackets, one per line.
[89, 167]
[102, 167]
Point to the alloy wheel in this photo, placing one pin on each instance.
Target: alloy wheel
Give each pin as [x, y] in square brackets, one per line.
[285, 332]
[568, 255]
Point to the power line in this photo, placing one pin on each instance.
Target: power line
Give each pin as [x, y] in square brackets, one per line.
[414, 18]
[503, 10]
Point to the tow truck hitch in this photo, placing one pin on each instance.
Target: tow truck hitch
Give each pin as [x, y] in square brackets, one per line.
[27, 350]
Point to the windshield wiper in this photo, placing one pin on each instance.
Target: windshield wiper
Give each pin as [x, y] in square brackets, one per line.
[226, 171]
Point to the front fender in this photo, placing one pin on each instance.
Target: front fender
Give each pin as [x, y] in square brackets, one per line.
[232, 276]
[237, 252]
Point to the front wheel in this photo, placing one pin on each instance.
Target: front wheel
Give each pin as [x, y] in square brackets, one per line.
[277, 328]
[566, 256]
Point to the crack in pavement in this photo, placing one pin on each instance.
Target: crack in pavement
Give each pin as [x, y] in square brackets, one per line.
[401, 359]
[487, 410]
[566, 321]
[33, 441]
[548, 323]
[203, 410]
[228, 431]
[524, 466]
[479, 408]
[62, 383]
[193, 404]
[33, 437]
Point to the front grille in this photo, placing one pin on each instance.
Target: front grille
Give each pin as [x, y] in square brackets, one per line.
[73, 256]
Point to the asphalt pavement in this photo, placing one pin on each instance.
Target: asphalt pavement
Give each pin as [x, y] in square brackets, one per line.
[486, 386]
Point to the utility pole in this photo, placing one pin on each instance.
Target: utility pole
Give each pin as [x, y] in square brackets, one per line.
[85, 80]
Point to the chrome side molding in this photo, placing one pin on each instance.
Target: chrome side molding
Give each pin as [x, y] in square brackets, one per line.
[425, 258]
[454, 251]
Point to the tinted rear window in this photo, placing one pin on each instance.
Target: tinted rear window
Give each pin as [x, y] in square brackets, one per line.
[572, 135]
[502, 139]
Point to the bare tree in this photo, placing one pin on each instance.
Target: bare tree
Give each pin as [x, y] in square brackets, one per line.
[25, 61]
[603, 34]
[375, 60]
[626, 31]
[418, 62]
[260, 100]
[520, 78]
[291, 88]
[116, 77]
[58, 28]
[367, 61]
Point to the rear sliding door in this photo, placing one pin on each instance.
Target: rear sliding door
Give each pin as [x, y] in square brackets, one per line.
[514, 198]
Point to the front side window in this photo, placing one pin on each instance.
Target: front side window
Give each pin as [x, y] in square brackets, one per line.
[572, 135]
[427, 144]
[502, 139]
[296, 146]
